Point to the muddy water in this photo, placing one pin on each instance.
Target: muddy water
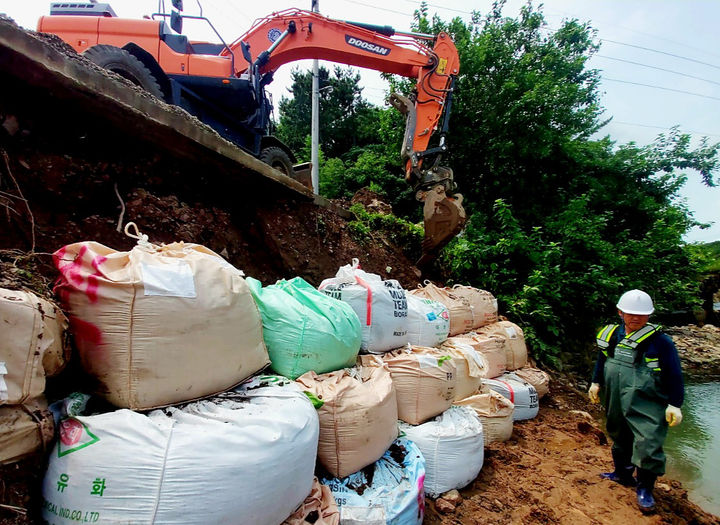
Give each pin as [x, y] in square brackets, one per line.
[693, 448]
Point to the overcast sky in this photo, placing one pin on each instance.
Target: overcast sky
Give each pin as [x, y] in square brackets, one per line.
[660, 59]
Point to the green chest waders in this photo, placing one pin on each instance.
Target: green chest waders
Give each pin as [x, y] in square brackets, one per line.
[635, 405]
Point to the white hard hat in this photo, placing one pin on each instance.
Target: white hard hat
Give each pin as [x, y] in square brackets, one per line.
[636, 302]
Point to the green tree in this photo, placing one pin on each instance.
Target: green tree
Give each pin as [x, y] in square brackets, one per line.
[560, 224]
[346, 119]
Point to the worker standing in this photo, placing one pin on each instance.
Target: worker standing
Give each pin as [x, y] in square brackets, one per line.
[639, 370]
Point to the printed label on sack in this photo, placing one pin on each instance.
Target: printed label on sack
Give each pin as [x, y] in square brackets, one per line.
[81, 516]
[172, 278]
[372, 515]
[4, 395]
[510, 331]
[428, 361]
[74, 435]
[400, 307]
[471, 355]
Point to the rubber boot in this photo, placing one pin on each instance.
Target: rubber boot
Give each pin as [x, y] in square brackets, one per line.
[646, 484]
[623, 472]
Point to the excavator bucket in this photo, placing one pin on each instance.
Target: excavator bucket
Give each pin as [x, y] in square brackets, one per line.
[444, 218]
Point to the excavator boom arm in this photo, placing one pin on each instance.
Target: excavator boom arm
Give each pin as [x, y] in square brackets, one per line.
[296, 34]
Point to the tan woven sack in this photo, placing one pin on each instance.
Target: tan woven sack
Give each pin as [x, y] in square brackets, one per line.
[484, 305]
[495, 412]
[358, 417]
[461, 316]
[471, 366]
[492, 348]
[34, 345]
[425, 381]
[318, 508]
[159, 324]
[515, 347]
[25, 429]
[536, 377]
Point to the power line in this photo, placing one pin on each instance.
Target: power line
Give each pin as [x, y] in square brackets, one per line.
[660, 87]
[660, 52]
[658, 68]
[660, 127]
[378, 8]
[549, 13]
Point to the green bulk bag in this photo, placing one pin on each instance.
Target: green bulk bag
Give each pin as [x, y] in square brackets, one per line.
[304, 329]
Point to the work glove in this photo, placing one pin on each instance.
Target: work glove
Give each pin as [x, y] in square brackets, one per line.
[593, 393]
[673, 415]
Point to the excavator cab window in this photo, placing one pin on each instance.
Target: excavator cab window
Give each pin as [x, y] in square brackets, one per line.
[176, 22]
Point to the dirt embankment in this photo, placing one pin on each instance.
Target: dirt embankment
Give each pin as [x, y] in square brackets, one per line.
[698, 347]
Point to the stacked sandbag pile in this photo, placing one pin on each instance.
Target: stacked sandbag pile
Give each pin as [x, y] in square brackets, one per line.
[159, 324]
[483, 303]
[305, 329]
[494, 410]
[390, 491]
[249, 453]
[162, 326]
[520, 393]
[34, 347]
[460, 309]
[452, 445]
[491, 348]
[425, 380]
[358, 413]
[380, 305]
[515, 348]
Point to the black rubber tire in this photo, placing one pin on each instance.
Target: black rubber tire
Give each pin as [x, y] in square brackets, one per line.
[126, 65]
[278, 159]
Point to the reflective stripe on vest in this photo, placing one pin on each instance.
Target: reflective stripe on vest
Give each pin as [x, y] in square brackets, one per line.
[653, 363]
[604, 336]
[633, 339]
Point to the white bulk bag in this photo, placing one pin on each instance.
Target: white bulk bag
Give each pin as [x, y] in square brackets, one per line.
[34, 345]
[388, 492]
[244, 456]
[495, 411]
[428, 321]
[520, 393]
[159, 324]
[380, 305]
[461, 316]
[452, 445]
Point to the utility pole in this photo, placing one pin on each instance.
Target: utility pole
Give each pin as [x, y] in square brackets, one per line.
[315, 125]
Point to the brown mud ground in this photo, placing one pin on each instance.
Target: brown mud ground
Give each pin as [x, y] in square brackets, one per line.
[549, 472]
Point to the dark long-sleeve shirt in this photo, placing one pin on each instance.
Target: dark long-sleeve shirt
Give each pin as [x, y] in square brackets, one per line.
[662, 347]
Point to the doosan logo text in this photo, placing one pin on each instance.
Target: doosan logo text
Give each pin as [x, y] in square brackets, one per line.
[367, 46]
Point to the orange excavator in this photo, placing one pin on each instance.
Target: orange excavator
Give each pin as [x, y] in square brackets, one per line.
[223, 84]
